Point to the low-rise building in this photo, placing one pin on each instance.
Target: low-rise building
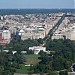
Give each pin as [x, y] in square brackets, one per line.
[6, 36]
[37, 49]
[58, 36]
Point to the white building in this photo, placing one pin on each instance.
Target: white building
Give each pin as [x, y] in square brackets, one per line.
[6, 35]
[72, 35]
[37, 49]
[21, 32]
[58, 36]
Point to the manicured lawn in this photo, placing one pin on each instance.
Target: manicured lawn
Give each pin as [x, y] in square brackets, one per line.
[30, 59]
[23, 70]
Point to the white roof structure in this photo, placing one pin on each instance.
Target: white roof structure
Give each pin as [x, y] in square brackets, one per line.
[5, 31]
[21, 31]
[37, 49]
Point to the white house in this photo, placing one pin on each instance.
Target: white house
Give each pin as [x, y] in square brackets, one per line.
[37, 49]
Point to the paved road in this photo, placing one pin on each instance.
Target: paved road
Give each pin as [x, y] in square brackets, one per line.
[50, 34]
[27, 74]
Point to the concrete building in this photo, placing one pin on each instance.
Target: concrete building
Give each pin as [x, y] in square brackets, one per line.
[12, 30]
[26, 36]
[21, 32]
[58, 36]
[6, 36]
[32, 35]
[72, 35]
[39, 35]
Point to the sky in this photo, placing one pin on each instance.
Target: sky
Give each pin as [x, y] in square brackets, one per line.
[47, 4]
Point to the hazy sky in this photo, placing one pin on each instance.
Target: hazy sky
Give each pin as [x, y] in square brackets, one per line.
[5, 4]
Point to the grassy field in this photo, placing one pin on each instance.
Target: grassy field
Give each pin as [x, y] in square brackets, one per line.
[23, 70]
[30, 59]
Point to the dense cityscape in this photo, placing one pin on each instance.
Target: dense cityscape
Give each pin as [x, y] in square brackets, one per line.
[37, 43]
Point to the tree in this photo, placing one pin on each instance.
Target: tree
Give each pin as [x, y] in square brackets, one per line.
[53, 73]
[58, 63]
[18, 57]
[40, 41]
[63, 73]
[68, 64]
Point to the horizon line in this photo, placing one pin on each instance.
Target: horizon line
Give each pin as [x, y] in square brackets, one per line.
[37, 8]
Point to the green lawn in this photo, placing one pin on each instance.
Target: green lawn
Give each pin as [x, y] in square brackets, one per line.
[23, 70]
[30, 59]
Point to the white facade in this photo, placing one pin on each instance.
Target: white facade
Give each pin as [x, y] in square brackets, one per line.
[37, 49]
[32, 35]
[21, 32]
[72, 35]
[6, 35]
[57, 36]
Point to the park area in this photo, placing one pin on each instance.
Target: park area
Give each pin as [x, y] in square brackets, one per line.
[30, 59]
